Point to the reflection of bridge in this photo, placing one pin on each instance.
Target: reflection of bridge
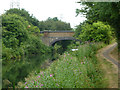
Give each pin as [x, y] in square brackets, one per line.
[50, 37]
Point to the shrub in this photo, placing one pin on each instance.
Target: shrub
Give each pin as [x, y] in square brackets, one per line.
[96, 32]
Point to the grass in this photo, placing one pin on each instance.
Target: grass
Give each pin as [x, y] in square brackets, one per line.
[109, 70]
[79, 69]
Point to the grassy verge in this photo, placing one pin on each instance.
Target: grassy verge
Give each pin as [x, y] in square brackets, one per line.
[79, 69]
[110, 70]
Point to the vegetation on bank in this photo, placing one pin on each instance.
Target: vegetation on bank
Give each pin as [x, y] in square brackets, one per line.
[21, 42]
[20, 39]
[96, 11]
[79, 69]
[97, 32]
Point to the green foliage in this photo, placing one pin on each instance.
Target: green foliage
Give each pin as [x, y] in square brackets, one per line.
[60, 47]
[20, 40]
[14, 30]
[49, 24]
[103, 11]
[25, 14]
[70, 71]
[56, 51]
[54, 24]
[95, 32]
[34, 46]
[79, 28]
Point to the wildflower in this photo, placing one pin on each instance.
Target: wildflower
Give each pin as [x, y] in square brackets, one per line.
[25, 82]
[71, 57]
[41, 85]
[50, 75]
[36, 86]
[38, 76]
[41, 73]
[26, 87]
[81, 62]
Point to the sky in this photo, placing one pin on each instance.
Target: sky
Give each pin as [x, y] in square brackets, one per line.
[65, 10]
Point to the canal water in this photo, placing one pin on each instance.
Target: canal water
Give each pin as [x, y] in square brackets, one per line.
[15, 71]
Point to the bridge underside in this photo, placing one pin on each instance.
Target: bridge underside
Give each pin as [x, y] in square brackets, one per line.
[49, 41]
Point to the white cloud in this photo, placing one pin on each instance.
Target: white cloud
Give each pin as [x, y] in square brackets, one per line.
[42, 9]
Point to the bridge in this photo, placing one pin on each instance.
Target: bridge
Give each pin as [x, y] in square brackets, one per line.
[51, 37]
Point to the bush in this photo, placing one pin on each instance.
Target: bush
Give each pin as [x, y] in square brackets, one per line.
[18, 39]
[23, 13]
[96, 32]
[14, 30]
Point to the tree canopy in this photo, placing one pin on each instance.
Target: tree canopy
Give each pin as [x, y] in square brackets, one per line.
[19, 37]
[23, 13]
[49, 24]
[54, 24]
[98, 31]
[103, 11]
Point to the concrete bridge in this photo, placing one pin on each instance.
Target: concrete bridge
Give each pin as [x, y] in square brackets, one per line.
[51, 37]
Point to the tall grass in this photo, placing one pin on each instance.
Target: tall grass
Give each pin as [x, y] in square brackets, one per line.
[78, 69]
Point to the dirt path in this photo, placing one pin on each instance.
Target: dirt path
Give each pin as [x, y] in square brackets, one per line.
[109, 65]
[106, 54]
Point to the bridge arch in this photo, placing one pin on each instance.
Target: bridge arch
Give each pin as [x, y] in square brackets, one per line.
[51, 37]
[62, 39]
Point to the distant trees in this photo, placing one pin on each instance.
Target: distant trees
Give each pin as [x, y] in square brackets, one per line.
[54, 24]
[49, 24]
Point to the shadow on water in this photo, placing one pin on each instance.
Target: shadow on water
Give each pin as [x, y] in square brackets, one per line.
[60, 47]
[15, 71]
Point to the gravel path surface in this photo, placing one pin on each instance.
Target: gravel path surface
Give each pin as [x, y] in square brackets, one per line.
[106, 54]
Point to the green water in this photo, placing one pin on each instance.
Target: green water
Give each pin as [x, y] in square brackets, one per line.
[15, 71]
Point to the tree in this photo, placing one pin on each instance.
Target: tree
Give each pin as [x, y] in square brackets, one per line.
[54, 24]
[18, 39]
[14, 30]
[23, 13]
[96, 32]
[103, 11]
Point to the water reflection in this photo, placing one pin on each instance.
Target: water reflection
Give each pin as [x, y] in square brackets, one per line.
[15, 71]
